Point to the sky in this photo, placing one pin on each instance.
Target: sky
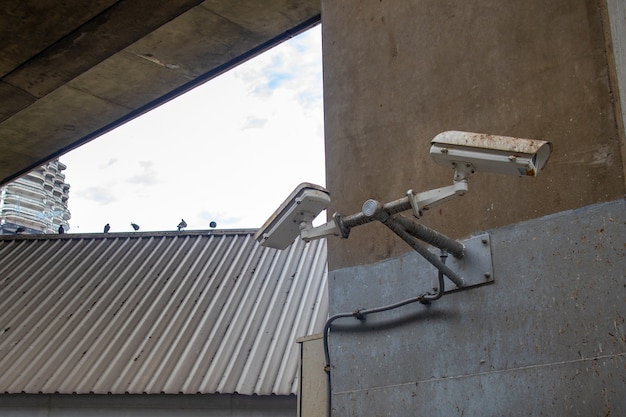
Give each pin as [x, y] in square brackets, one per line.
[228, 151]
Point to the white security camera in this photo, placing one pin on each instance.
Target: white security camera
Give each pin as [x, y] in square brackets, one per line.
[466, 152]
[469, 152]
[294, 215]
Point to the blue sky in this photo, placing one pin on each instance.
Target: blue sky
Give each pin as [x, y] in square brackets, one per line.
[228, 151]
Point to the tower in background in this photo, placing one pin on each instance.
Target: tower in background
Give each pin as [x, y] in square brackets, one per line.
[36, 203]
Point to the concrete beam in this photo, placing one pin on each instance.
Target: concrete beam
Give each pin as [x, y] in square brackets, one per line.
[72, 73]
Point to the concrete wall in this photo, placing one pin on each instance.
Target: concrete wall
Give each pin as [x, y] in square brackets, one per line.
[547, 338]
[615, 34]
[398, 72]
[58, 405]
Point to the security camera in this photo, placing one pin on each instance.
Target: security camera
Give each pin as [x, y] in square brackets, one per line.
[469, 152]
[466, 152]
[294, 215]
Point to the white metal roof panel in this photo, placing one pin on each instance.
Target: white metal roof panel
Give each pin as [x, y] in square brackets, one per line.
[190, 312]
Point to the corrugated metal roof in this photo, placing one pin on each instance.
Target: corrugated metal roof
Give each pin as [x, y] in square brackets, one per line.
[190, 312]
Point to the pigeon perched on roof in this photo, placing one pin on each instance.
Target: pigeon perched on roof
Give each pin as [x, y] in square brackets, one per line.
[107, 227]
[181, 225]
[19, 230]
[135, 226]
[213, 225]
[61, 229]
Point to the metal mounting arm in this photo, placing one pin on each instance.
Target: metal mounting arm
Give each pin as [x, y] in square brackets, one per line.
[428, 199]
[418, 203]
[410, 231]
[308, 233]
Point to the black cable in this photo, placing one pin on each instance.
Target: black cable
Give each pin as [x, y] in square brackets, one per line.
[425, 298]
[441, 288]
[360, 314]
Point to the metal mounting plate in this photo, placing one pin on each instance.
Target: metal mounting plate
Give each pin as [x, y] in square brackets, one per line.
[476, 266]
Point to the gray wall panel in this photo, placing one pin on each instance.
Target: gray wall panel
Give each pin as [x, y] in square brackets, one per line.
[548, 336]
[584, 388]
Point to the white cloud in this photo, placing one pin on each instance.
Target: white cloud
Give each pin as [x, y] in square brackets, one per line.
[230, 150]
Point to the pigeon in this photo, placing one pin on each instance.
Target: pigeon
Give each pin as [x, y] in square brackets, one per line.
[19, 230]
[213, 225]
[107, 227]
[135, 226]
[181, 225]
[61, 230]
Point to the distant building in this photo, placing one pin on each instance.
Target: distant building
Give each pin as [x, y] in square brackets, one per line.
[35, 203]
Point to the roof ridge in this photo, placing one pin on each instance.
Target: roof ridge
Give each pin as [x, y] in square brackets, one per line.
[156, 233]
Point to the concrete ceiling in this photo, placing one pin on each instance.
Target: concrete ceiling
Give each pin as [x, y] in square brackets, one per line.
[73, 70]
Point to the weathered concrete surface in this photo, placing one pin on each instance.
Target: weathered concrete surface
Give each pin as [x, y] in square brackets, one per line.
[615, 36]
[548, 337]
[402, 71]
[70, 72]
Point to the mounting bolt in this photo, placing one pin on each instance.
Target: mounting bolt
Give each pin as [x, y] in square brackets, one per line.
[484, 240]
[488, 275]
